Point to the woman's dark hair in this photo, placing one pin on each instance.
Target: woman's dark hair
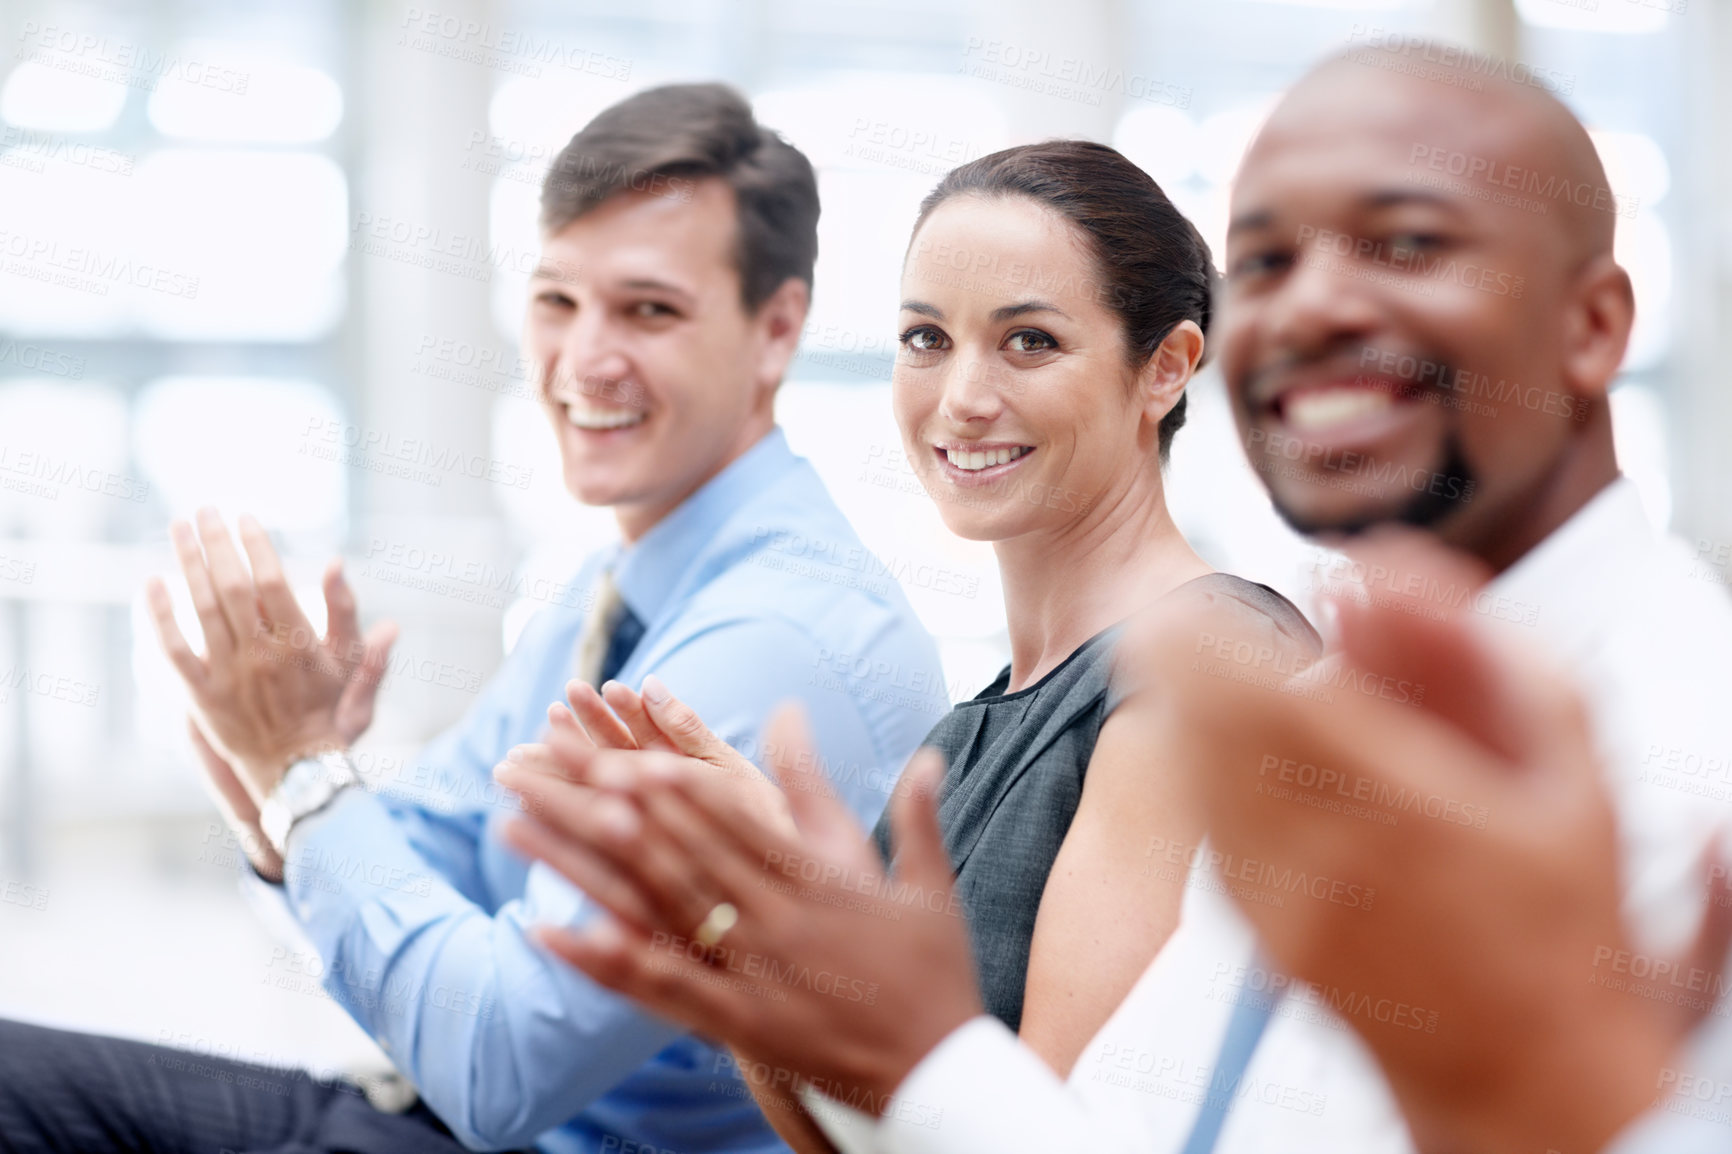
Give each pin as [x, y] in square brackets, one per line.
[1154, 267]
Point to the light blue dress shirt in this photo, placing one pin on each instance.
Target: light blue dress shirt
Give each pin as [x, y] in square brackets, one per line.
[752, 592]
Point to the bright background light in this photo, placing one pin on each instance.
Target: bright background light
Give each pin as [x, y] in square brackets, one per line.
[1615, 16]
[38, 96]
[250, 98]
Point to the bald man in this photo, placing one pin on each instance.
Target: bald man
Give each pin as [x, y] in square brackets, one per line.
[1421, 322]
[1421, 284]
[1422, 311]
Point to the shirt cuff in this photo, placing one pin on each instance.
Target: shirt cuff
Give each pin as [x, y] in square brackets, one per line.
[851, 1131]
[956, 1101]
[956, 1098]
[269, 902]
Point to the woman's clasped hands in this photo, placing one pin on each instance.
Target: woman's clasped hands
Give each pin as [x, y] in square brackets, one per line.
[757, 915]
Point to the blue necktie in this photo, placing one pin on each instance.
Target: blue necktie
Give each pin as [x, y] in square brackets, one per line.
[626, 634]
[1244, 1030]
[611, 631]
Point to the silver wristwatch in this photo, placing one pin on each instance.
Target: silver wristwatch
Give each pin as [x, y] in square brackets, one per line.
[310, 785]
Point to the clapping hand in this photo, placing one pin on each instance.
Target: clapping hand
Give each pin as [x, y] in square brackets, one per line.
[268, 688]
[1494, 905]
[616, 718]
[788, 942]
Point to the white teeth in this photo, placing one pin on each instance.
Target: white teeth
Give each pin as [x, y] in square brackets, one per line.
[1326, 408]
[974, 461]
[591, 417]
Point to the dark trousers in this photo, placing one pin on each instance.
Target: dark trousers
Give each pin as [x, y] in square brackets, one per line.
[83, 1094]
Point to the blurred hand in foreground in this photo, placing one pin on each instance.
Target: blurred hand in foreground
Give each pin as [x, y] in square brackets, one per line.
[1497, 899]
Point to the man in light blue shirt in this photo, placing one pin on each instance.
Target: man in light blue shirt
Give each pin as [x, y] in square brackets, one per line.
[522, 1043]
[678, 245]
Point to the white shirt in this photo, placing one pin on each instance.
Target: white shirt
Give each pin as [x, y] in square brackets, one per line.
[1649, 638]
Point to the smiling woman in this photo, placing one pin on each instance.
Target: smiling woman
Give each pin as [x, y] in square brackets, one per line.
[1053, 310]
[1105, 288]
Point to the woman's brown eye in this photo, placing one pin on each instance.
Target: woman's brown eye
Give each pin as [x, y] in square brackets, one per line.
[922, 340]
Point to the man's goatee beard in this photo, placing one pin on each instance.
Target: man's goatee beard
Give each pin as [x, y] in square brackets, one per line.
[1424, 510]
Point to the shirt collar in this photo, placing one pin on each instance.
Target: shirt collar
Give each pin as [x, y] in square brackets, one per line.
[1580, 573]
[648, 571]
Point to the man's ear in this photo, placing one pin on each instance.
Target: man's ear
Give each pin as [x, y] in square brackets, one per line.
[1163, 378]
[779, 322]
[1597, 323]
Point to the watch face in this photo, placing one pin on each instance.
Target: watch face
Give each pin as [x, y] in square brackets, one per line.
[306, 788]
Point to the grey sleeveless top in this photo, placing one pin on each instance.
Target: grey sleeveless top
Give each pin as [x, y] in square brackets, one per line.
[1014, 777]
